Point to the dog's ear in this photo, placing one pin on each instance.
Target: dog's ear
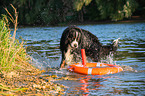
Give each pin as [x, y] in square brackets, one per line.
[64, 37]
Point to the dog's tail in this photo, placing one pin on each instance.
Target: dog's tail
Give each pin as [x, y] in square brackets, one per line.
[115, 44]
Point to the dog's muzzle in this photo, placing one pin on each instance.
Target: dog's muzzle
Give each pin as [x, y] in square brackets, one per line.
[74, 44]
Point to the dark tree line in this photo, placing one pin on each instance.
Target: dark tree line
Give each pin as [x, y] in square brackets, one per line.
[53, 12]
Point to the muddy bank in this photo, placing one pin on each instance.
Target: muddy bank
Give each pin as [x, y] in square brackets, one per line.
[31, 84]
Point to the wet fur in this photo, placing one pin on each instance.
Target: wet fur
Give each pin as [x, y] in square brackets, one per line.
[93, 48]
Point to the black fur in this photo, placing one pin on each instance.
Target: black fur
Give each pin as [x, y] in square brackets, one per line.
[86, 40]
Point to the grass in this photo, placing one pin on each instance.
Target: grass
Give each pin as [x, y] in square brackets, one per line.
[13, 55]
[10, 50]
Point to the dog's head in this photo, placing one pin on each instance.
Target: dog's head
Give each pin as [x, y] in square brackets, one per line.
[74, 36]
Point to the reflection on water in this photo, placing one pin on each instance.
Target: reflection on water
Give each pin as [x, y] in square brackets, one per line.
[43, 47]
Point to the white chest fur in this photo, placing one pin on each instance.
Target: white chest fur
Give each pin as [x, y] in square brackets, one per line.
[68, 56]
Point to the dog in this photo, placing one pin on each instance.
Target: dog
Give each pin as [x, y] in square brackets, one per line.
[74, 39]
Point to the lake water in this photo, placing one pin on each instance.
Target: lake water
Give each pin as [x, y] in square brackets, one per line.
[43, 46]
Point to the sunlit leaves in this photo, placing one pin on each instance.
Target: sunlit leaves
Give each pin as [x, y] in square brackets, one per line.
[113, 9]
[78, 4]
[87, 2]
[116, 10]
[129, 8]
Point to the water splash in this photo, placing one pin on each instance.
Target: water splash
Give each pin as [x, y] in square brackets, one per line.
[40, 62]
[128, 68]
[109, 59]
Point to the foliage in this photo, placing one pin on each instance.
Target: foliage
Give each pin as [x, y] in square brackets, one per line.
[53, 12]
[29, 10]
[115, 10]
[78, 4]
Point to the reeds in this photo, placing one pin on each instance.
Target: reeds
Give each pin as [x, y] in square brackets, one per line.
[12, 53]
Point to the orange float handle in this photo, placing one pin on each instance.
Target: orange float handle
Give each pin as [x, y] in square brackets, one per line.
[83, 57]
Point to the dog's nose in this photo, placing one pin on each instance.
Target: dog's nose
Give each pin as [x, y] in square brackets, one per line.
[75, 45]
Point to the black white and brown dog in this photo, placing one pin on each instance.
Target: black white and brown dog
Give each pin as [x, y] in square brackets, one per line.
[74, 39]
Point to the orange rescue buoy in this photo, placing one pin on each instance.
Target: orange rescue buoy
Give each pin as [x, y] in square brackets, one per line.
[95, 68]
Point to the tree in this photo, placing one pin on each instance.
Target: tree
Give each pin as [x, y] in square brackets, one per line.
[53, 12]
[115, 10]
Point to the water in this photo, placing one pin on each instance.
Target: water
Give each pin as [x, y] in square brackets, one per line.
[43, 45]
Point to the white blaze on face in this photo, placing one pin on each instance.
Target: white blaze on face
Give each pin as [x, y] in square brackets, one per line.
[74, 44]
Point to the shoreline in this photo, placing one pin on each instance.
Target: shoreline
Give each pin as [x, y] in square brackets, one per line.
[30, 84]
[134, 20]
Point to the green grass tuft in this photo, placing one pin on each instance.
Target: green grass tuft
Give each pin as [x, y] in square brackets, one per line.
[10, 51]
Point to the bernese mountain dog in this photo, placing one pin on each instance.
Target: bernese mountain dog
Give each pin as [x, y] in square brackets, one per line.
[74, 39]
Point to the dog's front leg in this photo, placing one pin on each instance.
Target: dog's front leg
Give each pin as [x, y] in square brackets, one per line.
[62, 65]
